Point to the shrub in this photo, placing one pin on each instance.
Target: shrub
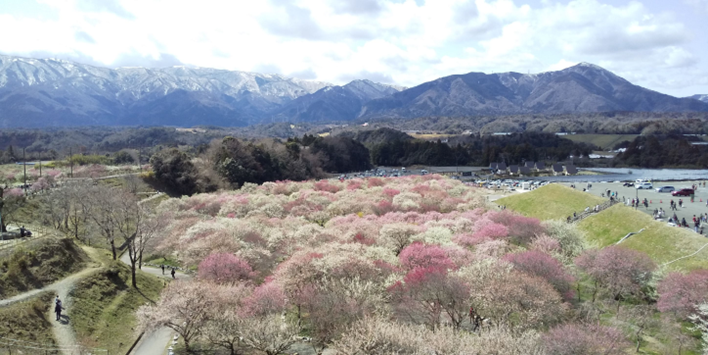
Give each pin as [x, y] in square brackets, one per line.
[541, 264]
[224, 268]
[681, 294]
[573, 339]
[419, 255]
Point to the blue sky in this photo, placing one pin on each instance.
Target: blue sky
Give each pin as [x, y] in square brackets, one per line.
[660, 45]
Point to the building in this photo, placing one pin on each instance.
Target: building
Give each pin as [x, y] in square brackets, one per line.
[514, 169]
[557, 169]
[540, 166]
[525, 170]
[571, 170]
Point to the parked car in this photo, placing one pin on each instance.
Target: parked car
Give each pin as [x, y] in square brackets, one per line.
[644, 185]
[628, 184]
[683, 192]
[665, 189]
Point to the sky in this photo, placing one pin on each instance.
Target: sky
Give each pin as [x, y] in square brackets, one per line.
[658, 44]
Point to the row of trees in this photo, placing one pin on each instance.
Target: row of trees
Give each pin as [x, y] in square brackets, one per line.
[658, 151]
[87, 210]
[234, 162]
[479, 150]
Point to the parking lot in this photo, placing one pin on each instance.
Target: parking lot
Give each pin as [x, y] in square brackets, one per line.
[656, 199]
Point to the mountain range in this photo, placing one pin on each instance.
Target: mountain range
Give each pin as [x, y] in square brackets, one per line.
[50, 92]
[700, 97]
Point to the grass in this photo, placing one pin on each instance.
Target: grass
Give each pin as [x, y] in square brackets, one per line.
[28, 321]
[553, 201]
[159, 260]
[104, 308]
[604, 141]
[37, 264]
[661, 242]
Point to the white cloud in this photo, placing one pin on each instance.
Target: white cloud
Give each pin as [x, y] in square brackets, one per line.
[404, 41]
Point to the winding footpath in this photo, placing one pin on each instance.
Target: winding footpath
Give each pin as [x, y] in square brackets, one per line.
[155, 342]
[62, 330]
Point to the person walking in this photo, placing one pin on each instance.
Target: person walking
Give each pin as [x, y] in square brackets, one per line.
[173, 273]
[163, 268]
[57, 308]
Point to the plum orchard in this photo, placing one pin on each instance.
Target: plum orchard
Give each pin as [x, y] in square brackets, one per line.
[411, 265]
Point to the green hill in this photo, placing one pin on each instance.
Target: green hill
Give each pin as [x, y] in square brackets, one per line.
[553, 201]
[658, 240]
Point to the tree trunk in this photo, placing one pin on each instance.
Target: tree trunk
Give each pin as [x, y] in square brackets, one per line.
[594, 292]
[113, 249]
[140, 260]
[132, 274]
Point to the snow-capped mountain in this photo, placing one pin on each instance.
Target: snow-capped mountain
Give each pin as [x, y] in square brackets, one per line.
[333, 103]
[700, 97]
[48, 92]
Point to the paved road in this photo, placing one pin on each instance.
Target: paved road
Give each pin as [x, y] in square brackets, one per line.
[154, 343]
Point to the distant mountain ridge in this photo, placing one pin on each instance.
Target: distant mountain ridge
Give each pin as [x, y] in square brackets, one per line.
[48, 92]
[700, 97]
[581, 88]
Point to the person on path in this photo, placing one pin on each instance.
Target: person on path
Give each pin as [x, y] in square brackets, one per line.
[173, 273]
[163, 268]
[58, 308]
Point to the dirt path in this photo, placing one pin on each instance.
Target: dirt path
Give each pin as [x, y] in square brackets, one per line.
[63, 333]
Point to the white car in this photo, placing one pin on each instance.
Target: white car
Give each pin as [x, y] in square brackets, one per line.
[665, 189]
[644, 185]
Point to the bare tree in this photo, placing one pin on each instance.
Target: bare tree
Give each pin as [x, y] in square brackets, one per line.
[80, 210]
[148, 227]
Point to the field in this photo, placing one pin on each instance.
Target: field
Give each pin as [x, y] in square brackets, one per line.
[430, 136]
[553, 201]
[604, 141]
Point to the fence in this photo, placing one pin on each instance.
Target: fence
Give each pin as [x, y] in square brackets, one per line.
[582, 215]
[9, 346]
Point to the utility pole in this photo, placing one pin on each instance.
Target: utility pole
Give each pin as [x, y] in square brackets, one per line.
[24, 166]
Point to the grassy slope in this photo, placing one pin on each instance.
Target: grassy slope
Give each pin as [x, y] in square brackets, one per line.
[27, 321]
[552, 201]
[37, 264]
[604, 141]
[661, 242]
[104, 308]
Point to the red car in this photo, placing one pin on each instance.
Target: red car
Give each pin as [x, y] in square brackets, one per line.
[683, 192]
